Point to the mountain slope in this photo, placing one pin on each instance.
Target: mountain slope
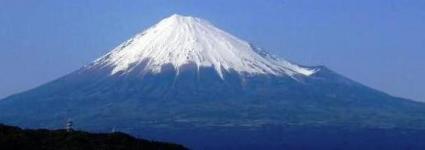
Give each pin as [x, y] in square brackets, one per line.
[184, 73]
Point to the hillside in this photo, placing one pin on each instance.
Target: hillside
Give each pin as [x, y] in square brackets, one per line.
[13, 138]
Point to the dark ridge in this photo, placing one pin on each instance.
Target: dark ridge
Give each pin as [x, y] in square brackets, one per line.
[14, 138]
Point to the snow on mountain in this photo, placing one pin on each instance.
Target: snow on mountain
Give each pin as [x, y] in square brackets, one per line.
[180, 40]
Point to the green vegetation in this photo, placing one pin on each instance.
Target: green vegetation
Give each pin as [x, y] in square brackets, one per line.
[13, 138]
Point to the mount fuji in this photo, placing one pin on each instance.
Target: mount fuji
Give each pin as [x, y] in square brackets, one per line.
[184, 75]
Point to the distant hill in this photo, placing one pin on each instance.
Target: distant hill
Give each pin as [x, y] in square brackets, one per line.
[13, 138]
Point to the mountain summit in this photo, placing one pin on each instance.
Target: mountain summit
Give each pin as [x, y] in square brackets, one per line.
[181, 40]
[184, 74]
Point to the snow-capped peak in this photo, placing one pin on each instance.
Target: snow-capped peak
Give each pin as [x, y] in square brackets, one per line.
[180, 40]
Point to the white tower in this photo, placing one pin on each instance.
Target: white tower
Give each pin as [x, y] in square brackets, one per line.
[68, 125]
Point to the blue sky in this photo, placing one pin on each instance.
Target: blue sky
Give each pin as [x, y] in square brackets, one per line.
[380, 43]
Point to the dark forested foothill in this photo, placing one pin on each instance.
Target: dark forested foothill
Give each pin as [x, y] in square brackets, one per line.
[13, 138]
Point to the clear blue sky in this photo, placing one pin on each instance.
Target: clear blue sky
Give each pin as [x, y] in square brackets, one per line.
[380, 43]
